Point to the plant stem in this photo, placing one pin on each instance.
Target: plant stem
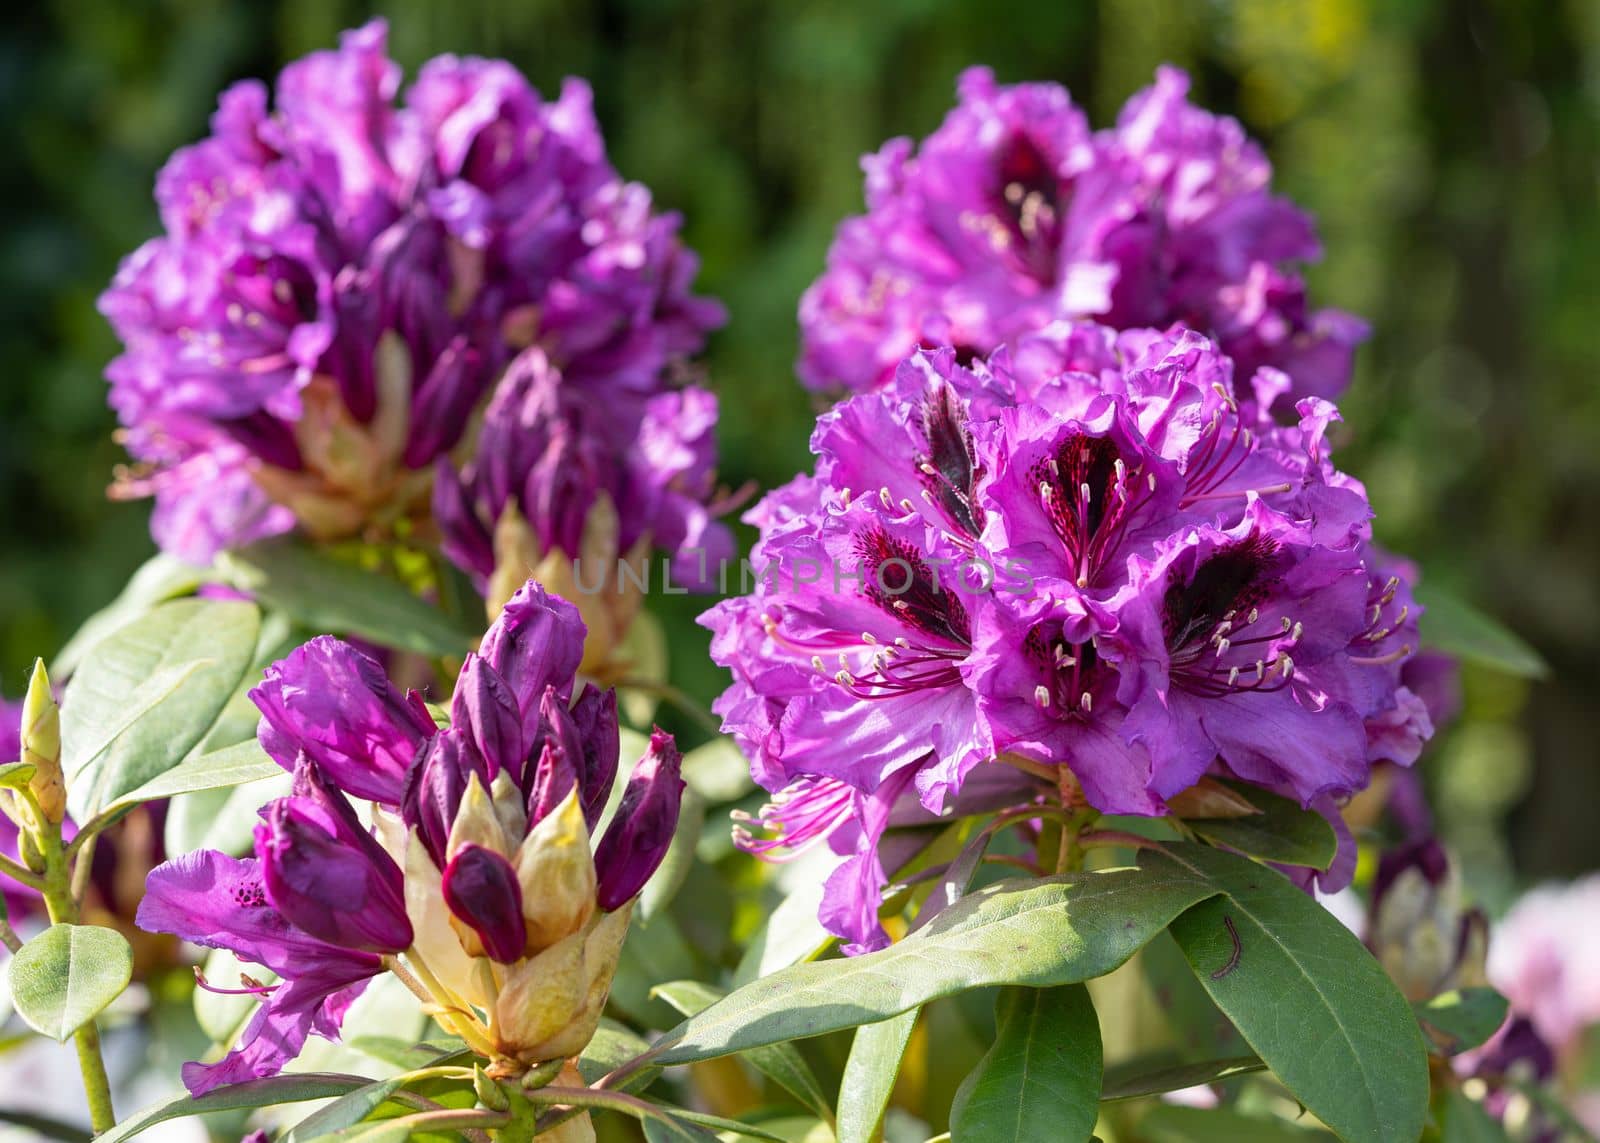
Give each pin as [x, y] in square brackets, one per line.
[20, 873]
[8, 937]
[63, 910]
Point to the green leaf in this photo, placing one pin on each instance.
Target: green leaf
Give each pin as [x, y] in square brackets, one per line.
[1199, 1029]
[159, 579]
[214, 641]
[1462, 1019]
[791, 931]
[1452, 625]
[869, 1075]
[63, 978]
[1284, 831]
[346, 1111]
[1059, 930]
[668, 1131]
[327, 594]
[292, 1088]
[782, 1063]
[612, 1046]
[1464, 1120]
[1306, 995]
[1167, 1123]
[1135, 1079]
[1041, 1077]
[231, 766]
[16, 775]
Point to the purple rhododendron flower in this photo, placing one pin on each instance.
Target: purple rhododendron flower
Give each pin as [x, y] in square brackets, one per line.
[1086, 551]
[343, 279]
[219, 902]
[553, 450]
[479, 848]
[1013, 214]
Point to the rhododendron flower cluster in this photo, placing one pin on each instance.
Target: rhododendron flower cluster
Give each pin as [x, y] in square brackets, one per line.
[476, 880]
[1014, 214]
[1090, 553]
[343, 281]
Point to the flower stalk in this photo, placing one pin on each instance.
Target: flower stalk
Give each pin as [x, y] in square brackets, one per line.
[62, 908]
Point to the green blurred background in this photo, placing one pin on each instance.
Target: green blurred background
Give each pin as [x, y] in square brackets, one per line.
[1449, 149]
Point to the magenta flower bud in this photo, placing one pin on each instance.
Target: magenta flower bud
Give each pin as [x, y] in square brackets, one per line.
[436, 786]
[537, 642]
[481, 889]
[485, 708]
[326, 874]
[557, 755]
[409, 261]
[552, 779]
[595, 715]
[350, 359]
[335, 704]
[444, 401]
[463, 536]
[637, 839]
[267, 437]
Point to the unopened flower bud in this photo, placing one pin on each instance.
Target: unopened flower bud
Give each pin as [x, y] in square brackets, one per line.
[595, 716]
[485, 707]
[485, 901]
[41, 745]
[1422, 933]
[557, 875]
[638, 837]
[550, 1004]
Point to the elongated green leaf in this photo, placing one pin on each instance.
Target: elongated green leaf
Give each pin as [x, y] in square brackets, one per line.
[1306, 995]
[1284, 831]
[326, 594]
[1132, 1081]
[782, 1063]
[346, 1111]
[792, 931]
[16, 775]
[63, 978]
[1059, 930]
[1041, 1078]
[159, 579]
[869, 1076]
[297, 1088]
[668, 1131]
[231, 766]
[213, 640]
[1169, 1124]
[612, 1046]
[1462, 1019]
[1451, 624]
